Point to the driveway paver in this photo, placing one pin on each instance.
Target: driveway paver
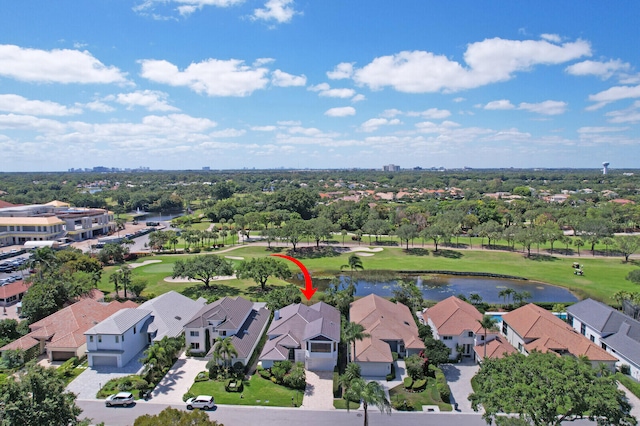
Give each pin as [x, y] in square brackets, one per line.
[459, 379]
[178, 380]
[318, 395]
[89, 382]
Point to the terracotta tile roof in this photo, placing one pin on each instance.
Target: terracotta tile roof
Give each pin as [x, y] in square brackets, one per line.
[24, 343]
[544, 332]
[383, 320]
[65, 328]
[453, 316]
[13, 289]
[496, 348]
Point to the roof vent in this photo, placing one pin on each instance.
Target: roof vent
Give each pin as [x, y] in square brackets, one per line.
[178, 318]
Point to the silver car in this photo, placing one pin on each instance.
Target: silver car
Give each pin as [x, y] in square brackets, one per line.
[205, 402]
[121, 398]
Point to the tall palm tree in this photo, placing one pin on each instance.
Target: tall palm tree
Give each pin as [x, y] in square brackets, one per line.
[125, 277]
[354, 264]
[352, 332]
[115, 280]
[351, 372]
[225, 350]
[487, 323]
[371, 393]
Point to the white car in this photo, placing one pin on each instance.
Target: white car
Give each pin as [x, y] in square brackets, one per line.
[201, 401]
[121, 398]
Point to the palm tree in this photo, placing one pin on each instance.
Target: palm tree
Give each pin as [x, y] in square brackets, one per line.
[224, 349]
[352, 332]
[354, 264]
[351, 372]
[115, 280]
[506, 294]
[125, 277]
[371, 393]
[43, 260]
[487, 323]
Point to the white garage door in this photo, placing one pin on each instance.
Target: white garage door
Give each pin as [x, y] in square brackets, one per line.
[374, 369]
[320, 364]
[105, 361]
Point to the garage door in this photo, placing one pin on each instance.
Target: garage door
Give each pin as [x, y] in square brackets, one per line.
[62, 356]
[105, 361]
[374, 369]
[320, 364]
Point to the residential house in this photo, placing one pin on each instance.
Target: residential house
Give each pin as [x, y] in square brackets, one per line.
[612, 330]
[530, 328]
[457, 324]
[391, 328]
[238, 318]
[116, 340]
[12, 293]
[60, 335]
[302, 333]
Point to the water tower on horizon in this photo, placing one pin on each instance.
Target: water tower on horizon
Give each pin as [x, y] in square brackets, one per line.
[605, 167]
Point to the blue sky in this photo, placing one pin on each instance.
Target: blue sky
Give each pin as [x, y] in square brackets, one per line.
[182, 84]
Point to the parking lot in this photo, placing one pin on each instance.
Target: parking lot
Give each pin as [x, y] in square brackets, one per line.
[11, 269]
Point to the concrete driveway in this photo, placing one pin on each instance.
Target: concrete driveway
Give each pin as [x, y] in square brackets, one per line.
[318, 395]
[459, 379]
[178, 380]
[89, 382]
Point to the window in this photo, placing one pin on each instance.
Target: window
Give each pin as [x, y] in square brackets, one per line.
[134, 329]
[117, 339]
[592, 338]
[447, 337]
[505, 328]
[481, 337]
[320, 347]
[195, 345]
[604, 346]
[583, 329]
[470, 334]
[194, 333]
[99, 338]
[570, 319]
[520, 347]
[90, 339]
[223, 332]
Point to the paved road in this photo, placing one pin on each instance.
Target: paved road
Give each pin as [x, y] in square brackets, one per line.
[231, 415]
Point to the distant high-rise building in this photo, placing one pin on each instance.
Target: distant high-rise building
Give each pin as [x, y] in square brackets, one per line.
[391, 168]
[605, 167]
[206, 168]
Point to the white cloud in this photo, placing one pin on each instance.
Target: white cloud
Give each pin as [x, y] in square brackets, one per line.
[21, 105]
[325, 90]
[431, 113]
[289, 123]
[628, 115]
[214, 77]
[342, 70]
[97, 106]
[340, 112]
[554, 38]
[56, 66]
[358, 98]
[601, 129]
[263, 128]
[30, 123]
[613, 94]
[152, 100]
[373, 124]
[488, 61]
[281, 11]
[184, 7]
[604, 70]
[501, 104]
[283, 79]
[459, 99]
[228, 133]
[390, 113]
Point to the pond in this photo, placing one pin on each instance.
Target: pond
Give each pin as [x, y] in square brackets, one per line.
[439, 287]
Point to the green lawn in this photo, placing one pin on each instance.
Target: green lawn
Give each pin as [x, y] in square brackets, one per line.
[257, 391]
[429, 396]
[603, 275]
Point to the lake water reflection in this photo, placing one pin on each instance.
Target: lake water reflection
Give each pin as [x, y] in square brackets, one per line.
[439, 287]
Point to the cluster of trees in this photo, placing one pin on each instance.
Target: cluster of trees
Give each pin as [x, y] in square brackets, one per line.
[546, 389]
[175, 417]
[159, 357]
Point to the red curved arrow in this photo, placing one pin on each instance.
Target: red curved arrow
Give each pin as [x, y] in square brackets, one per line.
[308, 289]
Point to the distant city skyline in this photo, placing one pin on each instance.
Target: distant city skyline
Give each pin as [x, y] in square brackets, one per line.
[268, 84]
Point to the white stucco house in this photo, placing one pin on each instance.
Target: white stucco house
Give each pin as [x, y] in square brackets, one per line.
[301, 333]
[238, 318]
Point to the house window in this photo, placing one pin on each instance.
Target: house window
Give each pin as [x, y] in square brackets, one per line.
[447, 337]
[520, 347]
[122, 337]
[320, 347]
[117, 339]
[583, 329]
[194, 333]
[481, 337]
[570, 319]
[195, 345]
[505, 328]
[90, 339]
[593, 339]
[99, 338]
[604, 346]
[223, 332]
[470, 334]
[292, 354]
[134, 329]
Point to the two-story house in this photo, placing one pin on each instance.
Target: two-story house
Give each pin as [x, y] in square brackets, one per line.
[238, 318]
[613, 331]
[302, 333]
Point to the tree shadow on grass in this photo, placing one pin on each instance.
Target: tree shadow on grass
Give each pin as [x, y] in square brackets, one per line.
[449, 254]
[273, 249]
[214, 292]
[417, 252]
[542, 258]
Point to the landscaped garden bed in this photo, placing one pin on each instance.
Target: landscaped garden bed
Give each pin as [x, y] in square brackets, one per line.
[132, 383]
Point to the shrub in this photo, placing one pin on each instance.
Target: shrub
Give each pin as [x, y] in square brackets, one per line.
[394, 355]
[625, 369]
[202, 376]
[266, 374]
[392, 374]
[444, 391]
[234, 385]
[419, 385]
[403, 405]
[187, 396]
[408, 382]
[296, 379]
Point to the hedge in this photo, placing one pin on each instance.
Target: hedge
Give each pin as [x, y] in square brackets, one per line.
[408, 382]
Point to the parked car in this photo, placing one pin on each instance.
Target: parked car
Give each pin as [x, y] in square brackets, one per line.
[121, 398]
[205, 402]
